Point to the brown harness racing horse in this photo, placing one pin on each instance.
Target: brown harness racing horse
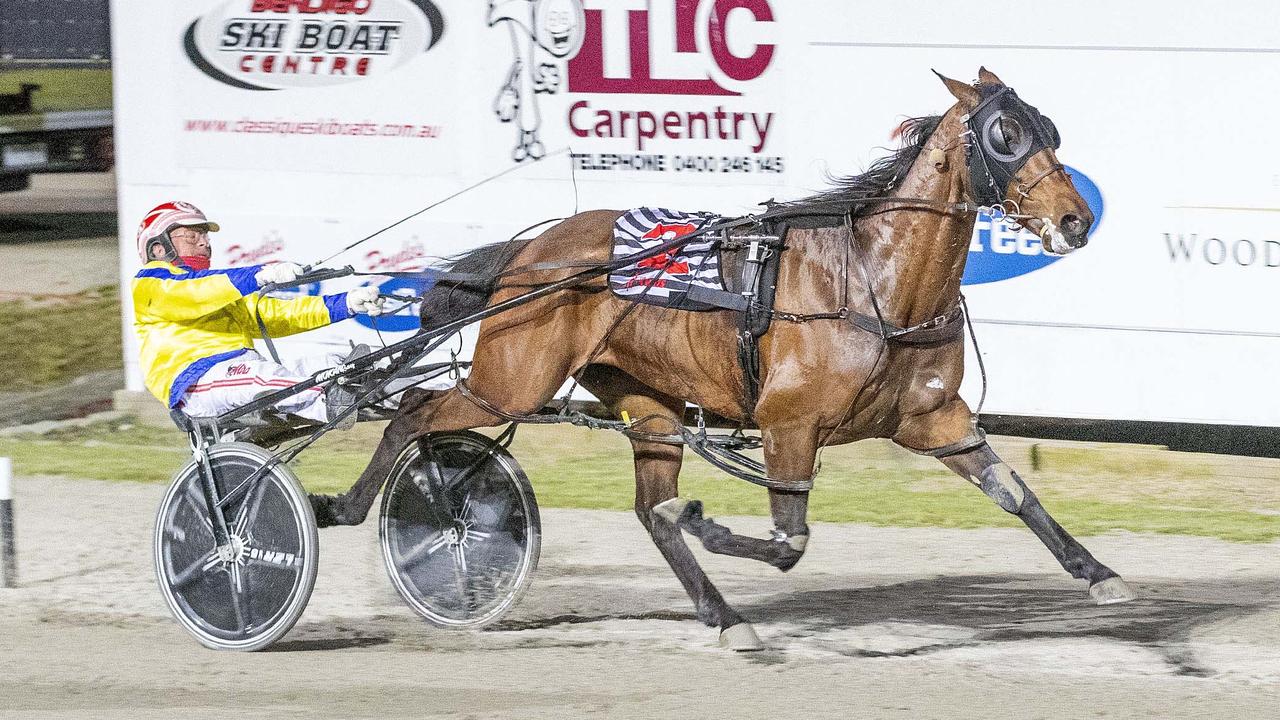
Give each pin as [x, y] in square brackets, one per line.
[824, 379]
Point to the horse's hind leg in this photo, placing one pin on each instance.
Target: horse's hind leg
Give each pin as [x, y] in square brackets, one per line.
[498, 377]
[984, 468]
[420, 412]
[657, 471]
[789, 456]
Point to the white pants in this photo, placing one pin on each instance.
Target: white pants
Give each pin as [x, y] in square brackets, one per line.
[236, 382]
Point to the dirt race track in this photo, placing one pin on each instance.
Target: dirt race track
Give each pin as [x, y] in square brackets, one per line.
[874, 622]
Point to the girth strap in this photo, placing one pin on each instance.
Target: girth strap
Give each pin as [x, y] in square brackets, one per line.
[758, 286]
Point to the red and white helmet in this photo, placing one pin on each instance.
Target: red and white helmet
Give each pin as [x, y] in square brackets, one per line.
[163, 218]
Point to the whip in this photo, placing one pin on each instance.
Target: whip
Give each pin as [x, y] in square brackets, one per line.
[469, 188]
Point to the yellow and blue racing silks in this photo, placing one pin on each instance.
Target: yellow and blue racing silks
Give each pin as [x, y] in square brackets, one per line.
[189, 320]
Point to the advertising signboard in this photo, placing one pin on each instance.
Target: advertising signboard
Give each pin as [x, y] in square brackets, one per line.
[304, 125]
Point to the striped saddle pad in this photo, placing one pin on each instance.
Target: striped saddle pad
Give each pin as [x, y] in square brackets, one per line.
[665, 279]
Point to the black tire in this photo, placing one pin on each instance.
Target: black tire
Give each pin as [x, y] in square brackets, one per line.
[14, 183]
[461, 536]
[252, 601]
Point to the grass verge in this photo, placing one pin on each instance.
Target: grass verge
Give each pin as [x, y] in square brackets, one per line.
[866, 482]
[58, 340]
[62, 88]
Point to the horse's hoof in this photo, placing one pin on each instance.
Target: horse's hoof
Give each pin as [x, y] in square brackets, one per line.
[322, 508]
[671, 510]
[1111, 591]
[740, 638]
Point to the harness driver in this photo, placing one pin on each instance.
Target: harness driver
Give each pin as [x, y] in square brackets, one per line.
[196, 325]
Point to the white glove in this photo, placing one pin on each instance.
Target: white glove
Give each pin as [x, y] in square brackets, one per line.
[365, 300]
[277, 273]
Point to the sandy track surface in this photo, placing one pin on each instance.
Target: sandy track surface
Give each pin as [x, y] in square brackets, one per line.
[874, 622]
[48, 247]
[63, 193]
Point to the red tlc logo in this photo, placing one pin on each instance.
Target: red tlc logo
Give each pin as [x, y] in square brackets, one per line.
[673, 47]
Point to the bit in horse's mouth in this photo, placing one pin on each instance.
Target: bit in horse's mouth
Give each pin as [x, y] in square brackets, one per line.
[1055, 243]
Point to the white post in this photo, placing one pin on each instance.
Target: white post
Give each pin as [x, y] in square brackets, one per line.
[8, 563]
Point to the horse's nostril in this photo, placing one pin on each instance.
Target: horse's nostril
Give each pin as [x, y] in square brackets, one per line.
[1072, 225]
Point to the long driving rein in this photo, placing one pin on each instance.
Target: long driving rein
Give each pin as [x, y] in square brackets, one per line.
[1001, 135]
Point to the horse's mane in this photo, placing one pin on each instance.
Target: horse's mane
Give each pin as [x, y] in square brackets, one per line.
[880, 178]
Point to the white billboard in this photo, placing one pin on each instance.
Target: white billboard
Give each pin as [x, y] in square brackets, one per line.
[304, 125]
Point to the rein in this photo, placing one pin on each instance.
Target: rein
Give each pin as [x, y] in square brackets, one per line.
[940, 328]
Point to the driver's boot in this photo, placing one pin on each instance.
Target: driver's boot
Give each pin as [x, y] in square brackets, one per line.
[341, 398]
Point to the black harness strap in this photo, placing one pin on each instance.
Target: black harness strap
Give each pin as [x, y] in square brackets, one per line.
[758, 288]
[719, 298]
[266, 336]
[975, 438]
[717, 451]
[940, 329]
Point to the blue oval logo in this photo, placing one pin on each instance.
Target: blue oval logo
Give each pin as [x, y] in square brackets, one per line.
[406, 318]
[999, 250]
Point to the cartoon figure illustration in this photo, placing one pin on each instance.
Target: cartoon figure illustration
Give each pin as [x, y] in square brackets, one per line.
[544, 33]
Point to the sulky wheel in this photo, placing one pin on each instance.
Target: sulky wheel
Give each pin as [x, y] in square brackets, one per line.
[251, 597]
[459, 529]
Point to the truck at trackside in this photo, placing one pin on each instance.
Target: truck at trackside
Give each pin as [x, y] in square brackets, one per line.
[55, 104]
[54, 141]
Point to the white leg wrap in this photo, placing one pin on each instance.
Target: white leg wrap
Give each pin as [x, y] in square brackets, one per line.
[1000, 485]
[795, 542]
[670, 510]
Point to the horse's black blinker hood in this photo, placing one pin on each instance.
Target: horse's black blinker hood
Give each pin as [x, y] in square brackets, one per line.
[1005, 133]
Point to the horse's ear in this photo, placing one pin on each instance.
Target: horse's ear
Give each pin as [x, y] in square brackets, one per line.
[963, 92]
[986, 77]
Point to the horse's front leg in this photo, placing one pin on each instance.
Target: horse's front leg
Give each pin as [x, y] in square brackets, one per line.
[982, 467]
[789, 457]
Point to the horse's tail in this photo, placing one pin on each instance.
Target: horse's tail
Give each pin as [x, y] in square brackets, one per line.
[447, 302]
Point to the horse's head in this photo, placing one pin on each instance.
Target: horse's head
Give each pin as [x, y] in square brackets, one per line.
[1012, 163]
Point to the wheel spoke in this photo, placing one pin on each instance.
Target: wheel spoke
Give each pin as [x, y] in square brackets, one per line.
[421, 480]
[196, 496]
[196, 569]
[460, 555]
[180, 534]
[466, 473]
[428, 546]
[460, 571]
[248, 514]
[239, 581]
[432, 498]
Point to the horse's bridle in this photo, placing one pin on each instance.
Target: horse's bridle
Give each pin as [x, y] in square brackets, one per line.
[1001, 136]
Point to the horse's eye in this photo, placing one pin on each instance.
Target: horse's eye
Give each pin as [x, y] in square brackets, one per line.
[1006, 135]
